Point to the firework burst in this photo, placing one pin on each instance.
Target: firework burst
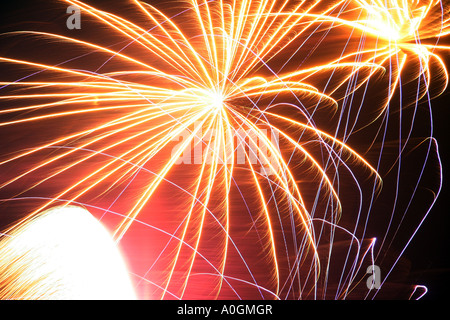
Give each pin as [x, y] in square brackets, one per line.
[188, 124]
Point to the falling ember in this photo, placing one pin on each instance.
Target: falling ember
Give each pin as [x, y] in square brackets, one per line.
[62, 253]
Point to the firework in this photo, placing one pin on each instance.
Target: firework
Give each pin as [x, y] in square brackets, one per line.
[403, 36]
[187, 124]
[63, 253]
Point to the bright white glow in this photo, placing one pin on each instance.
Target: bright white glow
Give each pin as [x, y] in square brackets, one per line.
[65, 253]
[215, 99]
[385, 29]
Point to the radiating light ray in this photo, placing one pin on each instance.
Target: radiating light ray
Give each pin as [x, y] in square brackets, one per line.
[217, 73]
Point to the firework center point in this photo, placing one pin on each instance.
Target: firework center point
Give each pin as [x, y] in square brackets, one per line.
[215, 100]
